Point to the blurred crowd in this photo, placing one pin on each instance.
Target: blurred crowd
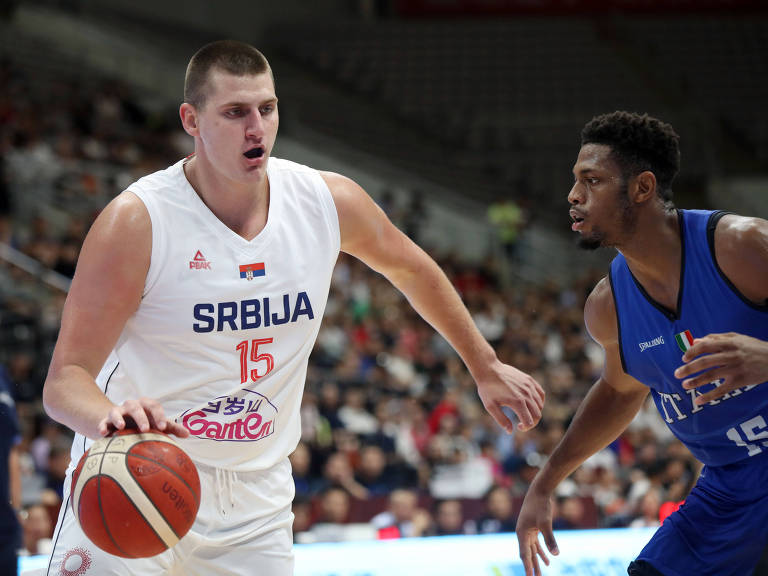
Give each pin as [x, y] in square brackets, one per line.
[395, 440]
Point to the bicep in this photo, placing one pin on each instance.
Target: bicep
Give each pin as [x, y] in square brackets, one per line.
[601, 322]
[741, 252]
[366, 231]
[107, 286]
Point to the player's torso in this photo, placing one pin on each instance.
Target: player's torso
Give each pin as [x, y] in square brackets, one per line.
[225, 327]
[653, 341]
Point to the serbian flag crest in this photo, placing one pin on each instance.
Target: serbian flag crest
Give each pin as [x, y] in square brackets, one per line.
[250, 271]
[684, 340]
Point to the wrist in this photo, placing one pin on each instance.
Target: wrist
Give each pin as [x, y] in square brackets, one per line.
[483, 363]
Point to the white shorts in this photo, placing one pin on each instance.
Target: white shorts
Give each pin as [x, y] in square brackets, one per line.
[243, 527]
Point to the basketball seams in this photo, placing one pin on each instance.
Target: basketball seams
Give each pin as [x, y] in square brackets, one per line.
[170, 470]
[108, 458]
[134, 491]
[98, 499]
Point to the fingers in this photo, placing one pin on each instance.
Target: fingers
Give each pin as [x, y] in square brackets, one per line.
[528, 554]
[703, 363]
[176, 429]
[549, 540]
[708, 377]
[527, 420]
[533, 551]
[501, 419]
[715, 394]
[143, 414]
[710, 344]
[540, 552]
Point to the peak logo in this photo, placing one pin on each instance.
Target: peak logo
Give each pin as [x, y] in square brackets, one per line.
[199, 262]
[246, 416]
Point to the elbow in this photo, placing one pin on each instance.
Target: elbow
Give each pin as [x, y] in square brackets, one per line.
[50, 397]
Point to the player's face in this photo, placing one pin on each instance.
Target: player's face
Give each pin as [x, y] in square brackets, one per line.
[600, 208]
[237, 125]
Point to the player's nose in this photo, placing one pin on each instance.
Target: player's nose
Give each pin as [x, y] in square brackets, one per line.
[575, 195]
[254, 128]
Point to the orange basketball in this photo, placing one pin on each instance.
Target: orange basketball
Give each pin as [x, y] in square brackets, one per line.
[135, 494]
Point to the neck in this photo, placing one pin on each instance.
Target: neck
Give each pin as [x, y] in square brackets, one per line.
[242, 207]
[653, 250]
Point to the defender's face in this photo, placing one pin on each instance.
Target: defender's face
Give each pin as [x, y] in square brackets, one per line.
[237, 125]
[600, 208]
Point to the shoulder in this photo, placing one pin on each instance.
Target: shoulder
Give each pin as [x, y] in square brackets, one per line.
[123, 228]
[167, 178]
[741, 253]
[734, 233]
[600, 313]
[350, 198]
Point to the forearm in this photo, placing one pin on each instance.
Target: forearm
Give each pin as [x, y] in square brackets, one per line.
[601, 417]
[14, 466]
[72, 397]
[432, 295]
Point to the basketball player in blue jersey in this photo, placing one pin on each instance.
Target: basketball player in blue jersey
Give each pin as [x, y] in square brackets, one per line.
[196, 302]
[683, 314]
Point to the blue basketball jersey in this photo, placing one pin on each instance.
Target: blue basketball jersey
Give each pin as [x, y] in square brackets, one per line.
[653, 339]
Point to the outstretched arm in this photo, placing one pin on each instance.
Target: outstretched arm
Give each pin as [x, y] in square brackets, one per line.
[105, 292]
[607, 410]
[368, 234]
[741, 250]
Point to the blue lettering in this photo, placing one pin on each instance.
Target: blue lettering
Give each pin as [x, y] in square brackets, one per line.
[302, 307]
[229, 317]
[199, 315]
[266, 312]
[287, 312]
[249, 314]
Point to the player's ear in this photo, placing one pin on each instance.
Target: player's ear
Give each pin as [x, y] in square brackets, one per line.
[188, 114]
[645, 186]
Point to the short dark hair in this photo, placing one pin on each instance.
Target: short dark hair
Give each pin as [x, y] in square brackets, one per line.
[231, 56]
[638, 143]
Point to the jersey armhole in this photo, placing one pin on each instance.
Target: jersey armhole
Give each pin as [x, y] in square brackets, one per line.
[712, 222]
[618, 321]
[153, 272]
[330, 212]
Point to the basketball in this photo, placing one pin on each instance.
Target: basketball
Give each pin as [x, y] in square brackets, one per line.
[135, 494]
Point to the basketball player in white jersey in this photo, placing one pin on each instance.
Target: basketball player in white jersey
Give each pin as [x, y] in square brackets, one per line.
[197, 300]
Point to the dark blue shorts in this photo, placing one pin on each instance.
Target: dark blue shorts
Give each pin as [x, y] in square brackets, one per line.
[722, 529]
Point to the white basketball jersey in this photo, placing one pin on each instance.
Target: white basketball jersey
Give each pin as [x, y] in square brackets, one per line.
[225, 326]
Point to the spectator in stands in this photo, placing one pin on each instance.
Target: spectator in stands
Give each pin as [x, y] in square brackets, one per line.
[498, 515]
[403, 517]
[448, 519]
[37, 529]
[301, 468]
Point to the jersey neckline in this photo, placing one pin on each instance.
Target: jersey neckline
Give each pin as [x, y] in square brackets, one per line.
[222, 230]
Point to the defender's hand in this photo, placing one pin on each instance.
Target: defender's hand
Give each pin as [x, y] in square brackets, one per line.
[535, 516]
[737, 359]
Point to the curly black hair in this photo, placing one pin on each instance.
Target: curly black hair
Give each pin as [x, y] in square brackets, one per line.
[638, 143]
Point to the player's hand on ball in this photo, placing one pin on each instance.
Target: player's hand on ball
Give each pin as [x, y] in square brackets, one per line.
[142, 414]
[505, 385]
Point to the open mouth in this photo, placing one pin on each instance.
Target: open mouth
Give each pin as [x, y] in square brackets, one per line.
[254, 153]
[576, 216]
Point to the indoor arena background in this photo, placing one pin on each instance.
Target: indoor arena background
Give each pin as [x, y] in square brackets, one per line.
[462, 119]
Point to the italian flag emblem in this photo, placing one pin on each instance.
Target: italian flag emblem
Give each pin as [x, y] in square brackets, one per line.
[684, 340]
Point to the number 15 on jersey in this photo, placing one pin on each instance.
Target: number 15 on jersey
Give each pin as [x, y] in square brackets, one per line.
[254, 363]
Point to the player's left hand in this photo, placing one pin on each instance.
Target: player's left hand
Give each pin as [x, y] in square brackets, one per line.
[736, 359]
[505, 385]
